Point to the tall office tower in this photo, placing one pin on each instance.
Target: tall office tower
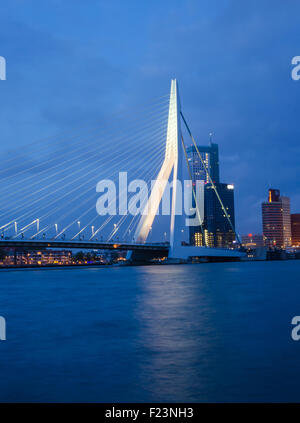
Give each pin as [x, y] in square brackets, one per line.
[217, 231]
[295, 226]
[276, 219]
[210, 156]
[216, 228]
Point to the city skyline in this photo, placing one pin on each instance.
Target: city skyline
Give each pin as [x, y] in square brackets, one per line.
[248, 102]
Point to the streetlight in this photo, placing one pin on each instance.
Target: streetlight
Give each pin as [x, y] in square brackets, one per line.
[93, 227]
[37, 225]
[16, 228]
[78, 223]
[56, 228]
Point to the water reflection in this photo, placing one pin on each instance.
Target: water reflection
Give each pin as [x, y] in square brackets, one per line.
[177, 332]
[211, 332]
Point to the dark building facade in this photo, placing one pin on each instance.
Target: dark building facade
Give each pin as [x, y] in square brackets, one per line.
[217, 231]
[295, 227]
[276, 219]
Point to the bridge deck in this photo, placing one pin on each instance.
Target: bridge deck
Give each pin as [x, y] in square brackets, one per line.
[142, 250]
[88, 245]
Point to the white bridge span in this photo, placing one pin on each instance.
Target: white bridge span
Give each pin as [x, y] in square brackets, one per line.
[173, 162]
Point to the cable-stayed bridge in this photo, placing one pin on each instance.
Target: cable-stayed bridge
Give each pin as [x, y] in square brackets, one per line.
[50, 191]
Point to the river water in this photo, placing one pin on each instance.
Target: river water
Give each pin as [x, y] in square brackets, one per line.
[178, 333]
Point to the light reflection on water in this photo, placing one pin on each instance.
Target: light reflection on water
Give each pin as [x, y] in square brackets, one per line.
[210, 332]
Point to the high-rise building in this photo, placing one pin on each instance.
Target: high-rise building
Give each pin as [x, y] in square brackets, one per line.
[210, 156]
[295, 227]
[217, 231]
[276, 219]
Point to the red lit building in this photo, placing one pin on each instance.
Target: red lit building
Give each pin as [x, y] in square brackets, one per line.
[295, 225]
[276, 219]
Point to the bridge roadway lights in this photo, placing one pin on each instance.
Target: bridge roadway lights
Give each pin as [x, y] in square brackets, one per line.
[87, 245]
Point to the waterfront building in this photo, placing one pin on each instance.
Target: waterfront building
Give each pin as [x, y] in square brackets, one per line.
[34, 257]
[295, 229]
[45, 257]
[253, 241]
[276, 219]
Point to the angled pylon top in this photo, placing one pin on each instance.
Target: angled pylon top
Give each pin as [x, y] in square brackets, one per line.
[173, 141]
[174, 114]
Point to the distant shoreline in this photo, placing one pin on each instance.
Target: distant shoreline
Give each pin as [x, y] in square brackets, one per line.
[54, 266]
[71, 266]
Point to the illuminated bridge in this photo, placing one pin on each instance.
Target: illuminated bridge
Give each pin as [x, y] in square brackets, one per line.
[50, 190]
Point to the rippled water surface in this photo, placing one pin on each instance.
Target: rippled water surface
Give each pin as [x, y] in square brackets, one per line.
[208, 332]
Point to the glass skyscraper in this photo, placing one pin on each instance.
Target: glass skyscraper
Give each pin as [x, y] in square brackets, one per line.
[210, 156]
[216, 230]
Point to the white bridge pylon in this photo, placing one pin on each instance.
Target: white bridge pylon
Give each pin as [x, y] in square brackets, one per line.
[172, 161]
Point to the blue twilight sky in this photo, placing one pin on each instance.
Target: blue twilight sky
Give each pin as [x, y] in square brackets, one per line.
[71, 61]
